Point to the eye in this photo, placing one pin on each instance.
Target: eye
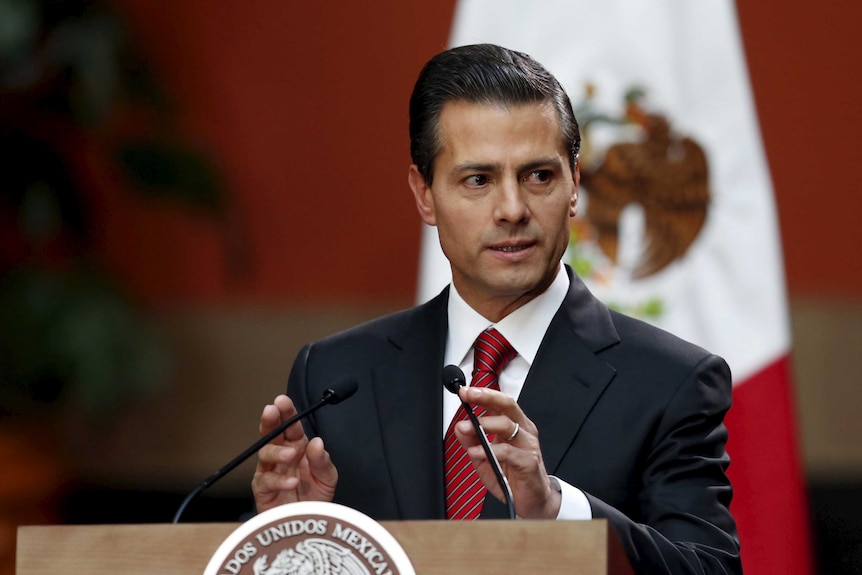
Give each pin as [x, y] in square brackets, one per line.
[476, 180]
[539, 176]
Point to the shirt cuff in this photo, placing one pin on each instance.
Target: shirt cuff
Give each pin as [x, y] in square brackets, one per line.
[574, 504]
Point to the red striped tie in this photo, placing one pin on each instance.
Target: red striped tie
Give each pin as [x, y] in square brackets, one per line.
[465, 492]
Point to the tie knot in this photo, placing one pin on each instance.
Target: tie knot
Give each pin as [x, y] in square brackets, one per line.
[492, 352]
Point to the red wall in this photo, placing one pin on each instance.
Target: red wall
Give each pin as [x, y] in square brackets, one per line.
[305, 105]
[805, 62]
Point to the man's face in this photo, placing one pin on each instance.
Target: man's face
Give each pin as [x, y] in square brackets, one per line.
[501, 199]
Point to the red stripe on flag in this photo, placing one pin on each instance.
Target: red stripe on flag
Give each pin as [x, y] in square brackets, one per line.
[770, 503]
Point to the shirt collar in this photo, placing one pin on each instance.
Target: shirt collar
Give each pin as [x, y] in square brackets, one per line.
[524, 328]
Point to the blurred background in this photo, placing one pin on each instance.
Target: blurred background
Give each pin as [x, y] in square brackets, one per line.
[185, 186]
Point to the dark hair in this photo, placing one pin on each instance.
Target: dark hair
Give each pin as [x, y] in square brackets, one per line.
[487, 74]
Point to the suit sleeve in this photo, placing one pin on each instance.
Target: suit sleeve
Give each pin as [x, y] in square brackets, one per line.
[685, 526]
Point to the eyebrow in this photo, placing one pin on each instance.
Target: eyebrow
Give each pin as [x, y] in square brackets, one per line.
[494, 168]
[471, 167]
[540, 163]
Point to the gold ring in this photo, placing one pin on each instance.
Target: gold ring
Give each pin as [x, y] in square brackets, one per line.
[514, 433]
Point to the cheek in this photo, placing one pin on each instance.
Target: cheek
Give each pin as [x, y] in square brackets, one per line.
[558, 226]
[448, 227]
[556, 213]
[459, 232]
[459, 218]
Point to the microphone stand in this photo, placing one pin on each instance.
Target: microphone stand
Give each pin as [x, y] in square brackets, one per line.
[492, 457]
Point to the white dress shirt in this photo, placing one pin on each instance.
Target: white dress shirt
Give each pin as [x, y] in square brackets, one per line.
[524, 328]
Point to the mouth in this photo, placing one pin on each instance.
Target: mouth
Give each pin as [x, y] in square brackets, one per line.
[509, 249]
[513, 248]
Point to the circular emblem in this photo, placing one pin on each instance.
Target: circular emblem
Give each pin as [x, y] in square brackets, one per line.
[310, 538]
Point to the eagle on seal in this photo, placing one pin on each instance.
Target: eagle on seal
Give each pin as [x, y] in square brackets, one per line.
[667, 175]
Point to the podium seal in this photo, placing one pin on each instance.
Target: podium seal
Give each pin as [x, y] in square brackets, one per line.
[310, 538]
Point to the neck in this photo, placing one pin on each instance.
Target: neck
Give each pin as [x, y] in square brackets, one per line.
[496, 307]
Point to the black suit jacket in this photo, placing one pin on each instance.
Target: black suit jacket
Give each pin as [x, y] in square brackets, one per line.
[630, 414]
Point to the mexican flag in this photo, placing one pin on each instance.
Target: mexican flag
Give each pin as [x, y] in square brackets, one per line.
[676, 219]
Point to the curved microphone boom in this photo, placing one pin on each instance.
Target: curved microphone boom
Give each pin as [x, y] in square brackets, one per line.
[342, 389]
[453, 380]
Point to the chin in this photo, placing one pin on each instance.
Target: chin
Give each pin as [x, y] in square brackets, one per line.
[518, 284]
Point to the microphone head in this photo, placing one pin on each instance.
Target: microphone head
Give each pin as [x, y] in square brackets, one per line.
[453, 378]
[343, 388]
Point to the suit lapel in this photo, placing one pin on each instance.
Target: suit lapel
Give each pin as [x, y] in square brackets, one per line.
[567, 377]
[408, 394]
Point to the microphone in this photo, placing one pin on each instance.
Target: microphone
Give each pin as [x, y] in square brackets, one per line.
[342, 389]
[453, 380]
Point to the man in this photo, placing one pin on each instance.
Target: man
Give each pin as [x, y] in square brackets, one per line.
[599, 415]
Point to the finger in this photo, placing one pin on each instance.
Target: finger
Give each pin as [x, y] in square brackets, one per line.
[521, 468]
[516, 459]
[500, 427]
[272, 489]
[275, 454]
[319, 463]
[466, 434]
[285, 406]
[524, 468]
[496, 427]
[495, 402]
[274, 415]
[498, 403]
[504, 429]
[270, 417]
[265, 483]
[275, 462]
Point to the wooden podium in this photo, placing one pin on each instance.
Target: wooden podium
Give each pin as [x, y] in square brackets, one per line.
[474, 547]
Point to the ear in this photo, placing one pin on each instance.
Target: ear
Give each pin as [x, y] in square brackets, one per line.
[423, 196]
[576, 182]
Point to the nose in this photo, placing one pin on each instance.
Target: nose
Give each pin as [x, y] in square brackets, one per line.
[510, 206]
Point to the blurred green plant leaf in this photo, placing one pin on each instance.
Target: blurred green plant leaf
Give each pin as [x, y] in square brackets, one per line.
[88, 48]
[19, 30]
[36, 183]
[75, 335]
[168, 171]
